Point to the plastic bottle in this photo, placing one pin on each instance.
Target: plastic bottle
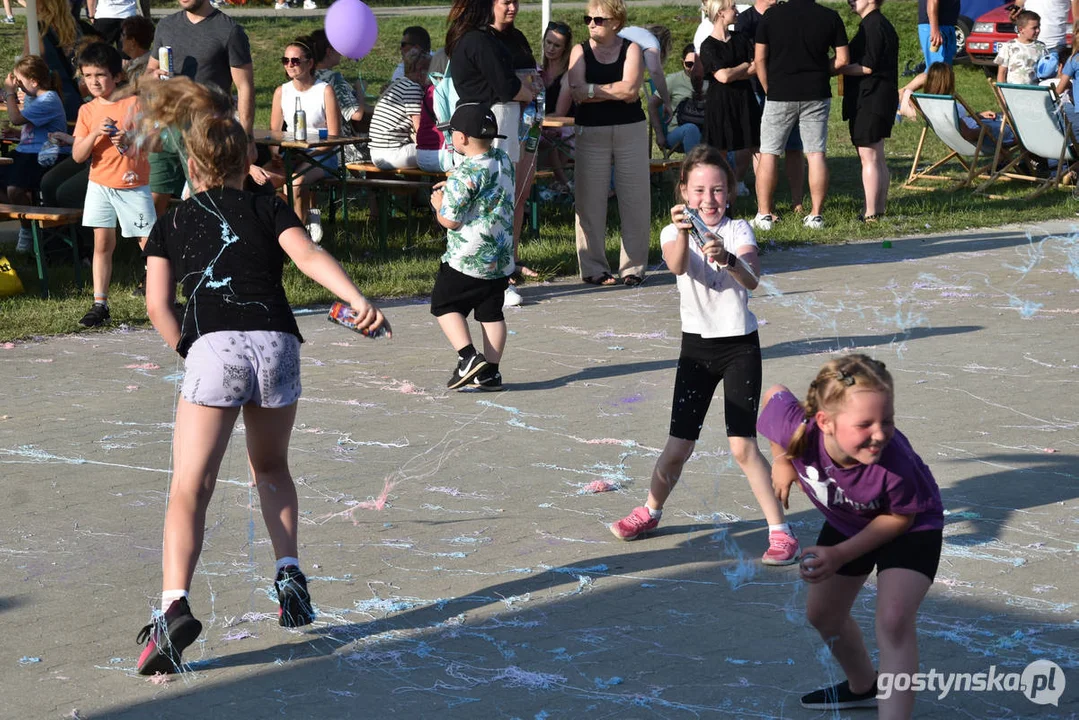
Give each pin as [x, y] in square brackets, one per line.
[537, 106]
[299, 123]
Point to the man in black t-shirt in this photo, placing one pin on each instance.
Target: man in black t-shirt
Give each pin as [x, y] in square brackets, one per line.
[794, 65]
[794, 162]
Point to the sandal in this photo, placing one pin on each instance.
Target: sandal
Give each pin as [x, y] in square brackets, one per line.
[632, 280]
[604, 279]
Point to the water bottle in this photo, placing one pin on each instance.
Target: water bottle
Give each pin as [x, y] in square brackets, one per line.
[299, 123]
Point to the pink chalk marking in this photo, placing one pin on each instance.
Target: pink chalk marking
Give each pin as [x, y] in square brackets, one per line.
[379, 502]
[43, 360]
[131, 388]
[142, 366]
[158, 678]
[8, 346]
[598, 486]
[1049, 450]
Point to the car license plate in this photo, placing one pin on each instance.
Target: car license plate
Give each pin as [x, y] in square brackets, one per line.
[996, 47]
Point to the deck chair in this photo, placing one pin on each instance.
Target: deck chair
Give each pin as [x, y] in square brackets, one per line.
[941, 116]
[1042, 132]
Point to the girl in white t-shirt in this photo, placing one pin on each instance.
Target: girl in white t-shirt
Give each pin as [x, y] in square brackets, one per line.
[719, 343]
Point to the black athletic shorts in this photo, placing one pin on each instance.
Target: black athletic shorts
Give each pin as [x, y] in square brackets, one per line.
[455, 292]
[913, 551]
[703, 363]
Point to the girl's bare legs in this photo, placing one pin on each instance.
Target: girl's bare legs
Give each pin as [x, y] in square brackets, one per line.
[200, 439]
[828, 607]
[900, 592]
[759, 474]
[268, 434]
[104, 246]
[668, 469]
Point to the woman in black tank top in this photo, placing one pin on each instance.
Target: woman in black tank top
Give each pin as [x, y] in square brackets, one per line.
[605, 77]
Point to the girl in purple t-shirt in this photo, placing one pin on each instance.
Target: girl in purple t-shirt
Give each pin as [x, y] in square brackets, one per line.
[882, 508]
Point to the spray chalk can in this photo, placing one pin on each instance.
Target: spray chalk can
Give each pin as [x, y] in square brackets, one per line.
[164, 59]
[342, 314]
[299, 123]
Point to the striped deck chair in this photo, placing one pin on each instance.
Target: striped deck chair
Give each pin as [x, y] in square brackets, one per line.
[942, 117]
[1042, 132]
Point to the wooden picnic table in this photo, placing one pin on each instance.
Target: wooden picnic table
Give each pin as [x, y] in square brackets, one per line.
[311, 152]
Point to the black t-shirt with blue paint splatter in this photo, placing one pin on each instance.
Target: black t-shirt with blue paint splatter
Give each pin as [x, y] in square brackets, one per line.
[223, 247]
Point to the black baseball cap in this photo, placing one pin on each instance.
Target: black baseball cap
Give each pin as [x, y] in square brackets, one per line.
[474, 120]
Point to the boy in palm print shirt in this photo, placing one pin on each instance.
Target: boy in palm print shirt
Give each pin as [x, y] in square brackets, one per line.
[475, 205]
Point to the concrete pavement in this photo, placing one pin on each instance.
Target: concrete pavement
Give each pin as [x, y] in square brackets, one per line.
[460, 569]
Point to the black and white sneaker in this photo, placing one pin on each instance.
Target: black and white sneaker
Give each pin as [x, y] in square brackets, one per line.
[293, 597]
[487, 379]
[839, 697]
[466, 370]
[97, 315]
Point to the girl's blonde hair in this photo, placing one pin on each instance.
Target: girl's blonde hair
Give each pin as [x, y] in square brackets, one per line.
[829, 390]
[56, 14]
[32, 67]
[712, 8]
[705, 155]
[204, 117]
[615, 8]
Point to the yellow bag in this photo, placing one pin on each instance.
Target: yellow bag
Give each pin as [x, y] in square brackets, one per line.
[9, 279]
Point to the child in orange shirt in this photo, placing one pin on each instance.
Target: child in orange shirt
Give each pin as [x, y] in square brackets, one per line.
[119, 175]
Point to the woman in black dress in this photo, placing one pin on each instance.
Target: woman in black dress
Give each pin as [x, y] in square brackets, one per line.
[733, 119]
[871, 92]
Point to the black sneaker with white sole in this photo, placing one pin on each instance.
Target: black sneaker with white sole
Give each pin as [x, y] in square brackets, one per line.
[466, 370]
[97, 315]
[839, 697]
[487, 379]
[293, 598]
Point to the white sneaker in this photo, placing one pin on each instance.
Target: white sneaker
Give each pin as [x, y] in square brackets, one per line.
[763, 222]
[513, 298]
[742, 189]
[813, 222]
[314, 225]
[9, 20]
[280, 6]
[310, 5]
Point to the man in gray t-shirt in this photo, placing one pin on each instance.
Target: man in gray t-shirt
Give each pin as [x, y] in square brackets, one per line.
[209, 47]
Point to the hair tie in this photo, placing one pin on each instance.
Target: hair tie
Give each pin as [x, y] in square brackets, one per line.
[805, 421]
[844, 378]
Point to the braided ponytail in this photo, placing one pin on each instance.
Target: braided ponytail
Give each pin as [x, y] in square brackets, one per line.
[828, 390]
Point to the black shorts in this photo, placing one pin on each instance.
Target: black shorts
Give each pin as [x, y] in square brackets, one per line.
[918, 551]
[24, 171]
[869, 128]
[703, 363]
[455, 292]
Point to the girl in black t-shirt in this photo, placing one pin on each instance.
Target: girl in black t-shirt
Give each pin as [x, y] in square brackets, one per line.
[241, 348]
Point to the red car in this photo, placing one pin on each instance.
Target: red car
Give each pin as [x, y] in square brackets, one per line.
[991, 31]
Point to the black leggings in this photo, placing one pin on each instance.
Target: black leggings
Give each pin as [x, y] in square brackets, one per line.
[703, 363]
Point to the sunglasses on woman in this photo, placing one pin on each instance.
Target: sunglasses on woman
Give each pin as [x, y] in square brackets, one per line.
[688, 64]
[559, 27]
[294, 61]
[598, 20]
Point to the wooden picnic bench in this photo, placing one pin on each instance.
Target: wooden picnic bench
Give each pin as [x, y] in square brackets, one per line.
[41, 219]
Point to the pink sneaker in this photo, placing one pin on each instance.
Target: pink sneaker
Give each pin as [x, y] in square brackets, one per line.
[637, 523]
[783, 549]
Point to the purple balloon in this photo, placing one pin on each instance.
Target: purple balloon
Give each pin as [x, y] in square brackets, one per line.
[351, 28]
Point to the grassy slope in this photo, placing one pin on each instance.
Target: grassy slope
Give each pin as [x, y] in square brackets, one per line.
[407, 268]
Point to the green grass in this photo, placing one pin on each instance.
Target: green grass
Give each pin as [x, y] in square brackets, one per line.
[408, 265]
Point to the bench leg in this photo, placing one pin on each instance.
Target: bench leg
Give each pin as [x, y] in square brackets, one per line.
[39, 256]
[74, 231]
